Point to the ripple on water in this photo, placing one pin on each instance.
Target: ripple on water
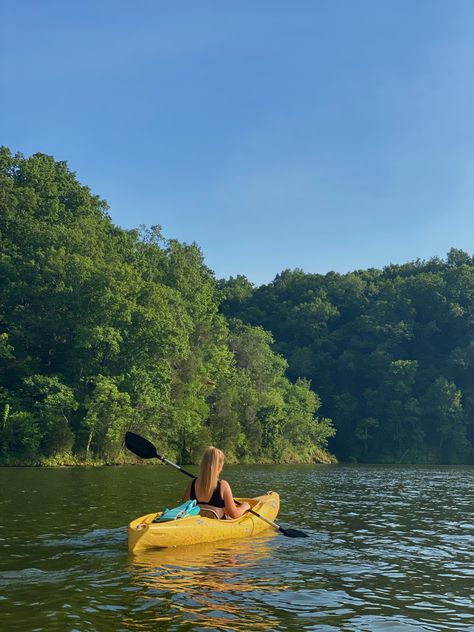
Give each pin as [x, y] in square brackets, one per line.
[389, 549]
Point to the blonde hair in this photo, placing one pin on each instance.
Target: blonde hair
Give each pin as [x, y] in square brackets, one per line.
[211, 465]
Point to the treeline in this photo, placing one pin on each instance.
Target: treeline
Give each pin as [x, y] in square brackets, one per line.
[104, 330]
[391, 353]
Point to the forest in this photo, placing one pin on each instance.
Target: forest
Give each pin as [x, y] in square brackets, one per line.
[104, 330]
[390, 353]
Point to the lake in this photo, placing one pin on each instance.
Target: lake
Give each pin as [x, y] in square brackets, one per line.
[390, 549]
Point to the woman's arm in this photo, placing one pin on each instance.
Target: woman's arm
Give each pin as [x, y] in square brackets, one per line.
[187, 493]
[231, 509]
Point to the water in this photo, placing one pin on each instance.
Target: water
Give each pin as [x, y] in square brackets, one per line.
[391, 549]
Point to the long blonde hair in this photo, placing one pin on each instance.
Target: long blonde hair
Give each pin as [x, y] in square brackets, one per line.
[211, 465]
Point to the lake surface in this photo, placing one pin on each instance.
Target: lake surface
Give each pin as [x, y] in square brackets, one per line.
[390, 549]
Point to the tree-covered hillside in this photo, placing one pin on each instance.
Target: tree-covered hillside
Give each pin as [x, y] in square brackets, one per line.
[104, 329]
[391, 353]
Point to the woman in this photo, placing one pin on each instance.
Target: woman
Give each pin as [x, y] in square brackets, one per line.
[213, 495]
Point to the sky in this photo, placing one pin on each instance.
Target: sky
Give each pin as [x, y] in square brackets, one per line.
[315, 134]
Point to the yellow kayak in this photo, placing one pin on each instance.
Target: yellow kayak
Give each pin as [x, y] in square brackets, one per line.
[143, 533]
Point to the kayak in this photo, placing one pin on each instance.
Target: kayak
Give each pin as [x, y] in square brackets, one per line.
[143, 533]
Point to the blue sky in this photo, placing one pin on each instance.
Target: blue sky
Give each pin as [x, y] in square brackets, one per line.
[320, 134]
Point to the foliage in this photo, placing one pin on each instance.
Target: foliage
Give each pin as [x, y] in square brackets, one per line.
[104, 329]
[390, 352]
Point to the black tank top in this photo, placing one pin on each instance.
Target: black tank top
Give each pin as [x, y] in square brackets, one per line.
[215, 500]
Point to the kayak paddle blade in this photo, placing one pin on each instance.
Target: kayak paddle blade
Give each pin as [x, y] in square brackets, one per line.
[140, 446]
[294, 533]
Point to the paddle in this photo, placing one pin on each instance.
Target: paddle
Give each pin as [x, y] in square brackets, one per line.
[146, 450]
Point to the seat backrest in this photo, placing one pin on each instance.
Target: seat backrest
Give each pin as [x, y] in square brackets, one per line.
[211, 512]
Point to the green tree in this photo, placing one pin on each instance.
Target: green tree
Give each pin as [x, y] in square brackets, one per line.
[109, 413]
[54, 404]
[444, 417]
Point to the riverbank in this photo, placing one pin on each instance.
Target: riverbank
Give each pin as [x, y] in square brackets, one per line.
[71, 460]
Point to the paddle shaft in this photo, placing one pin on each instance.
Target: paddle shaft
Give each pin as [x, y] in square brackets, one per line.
[175, 465]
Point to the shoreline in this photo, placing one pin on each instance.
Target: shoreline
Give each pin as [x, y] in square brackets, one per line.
[72, 461]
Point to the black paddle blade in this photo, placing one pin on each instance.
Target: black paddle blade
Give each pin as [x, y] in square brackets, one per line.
[294, 533]
[140, 446]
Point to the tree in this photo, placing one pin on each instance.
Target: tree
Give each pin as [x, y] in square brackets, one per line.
[109, 413]
[54, 405]
[444, 417]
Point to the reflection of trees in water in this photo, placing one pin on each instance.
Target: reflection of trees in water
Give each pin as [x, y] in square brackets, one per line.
[203, 584]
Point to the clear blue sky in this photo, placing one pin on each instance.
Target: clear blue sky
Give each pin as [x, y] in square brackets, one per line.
[321, 134]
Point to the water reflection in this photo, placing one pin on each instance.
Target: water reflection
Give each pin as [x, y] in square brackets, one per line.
[391, 548]
[204, 584]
